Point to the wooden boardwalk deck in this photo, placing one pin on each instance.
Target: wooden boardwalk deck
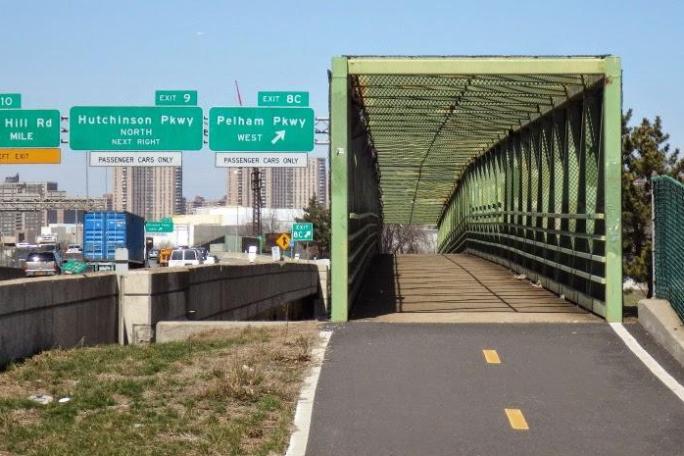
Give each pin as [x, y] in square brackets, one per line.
[451, 283]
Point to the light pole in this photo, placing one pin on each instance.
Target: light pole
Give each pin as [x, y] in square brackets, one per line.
[237, 214]
[2, 250]
[237, 224]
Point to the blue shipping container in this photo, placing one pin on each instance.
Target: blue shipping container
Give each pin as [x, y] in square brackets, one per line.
[105, 231]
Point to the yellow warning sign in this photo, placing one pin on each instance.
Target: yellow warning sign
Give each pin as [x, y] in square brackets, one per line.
[283, 241]
[51, 156]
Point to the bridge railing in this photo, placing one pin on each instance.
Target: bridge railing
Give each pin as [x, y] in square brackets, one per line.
[536, 203]
[365, 209]
[668, 211]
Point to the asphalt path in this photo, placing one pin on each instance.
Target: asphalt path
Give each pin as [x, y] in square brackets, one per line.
[427, 389]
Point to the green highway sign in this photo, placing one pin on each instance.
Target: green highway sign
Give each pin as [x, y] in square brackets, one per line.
[302, 232]
[164, 225]
[10, 100]
[34, 128]
[242, 129]
[296, 99]
[175, 98]
[137, 128]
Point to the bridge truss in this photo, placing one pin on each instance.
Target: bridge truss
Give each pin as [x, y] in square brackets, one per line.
[34, 203]
[516, 159]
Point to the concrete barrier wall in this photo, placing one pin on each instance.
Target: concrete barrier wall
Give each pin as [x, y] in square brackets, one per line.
[152, 295]
[11, 273]
[241, 293]
[64, 311]
[323, 305]
[217, 292]
[661, 321]
[42, 313]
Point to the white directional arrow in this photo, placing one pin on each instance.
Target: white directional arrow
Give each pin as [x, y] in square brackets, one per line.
[280, 134]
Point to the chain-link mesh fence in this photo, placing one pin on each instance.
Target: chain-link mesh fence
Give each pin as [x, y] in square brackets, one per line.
[668, 199]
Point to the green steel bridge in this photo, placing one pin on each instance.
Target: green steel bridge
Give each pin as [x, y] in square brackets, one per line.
[515, 159]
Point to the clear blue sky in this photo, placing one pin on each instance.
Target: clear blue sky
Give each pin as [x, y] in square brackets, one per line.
[60, 54]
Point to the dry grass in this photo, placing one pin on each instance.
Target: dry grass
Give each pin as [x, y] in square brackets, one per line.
[227, 393]
[631, 298]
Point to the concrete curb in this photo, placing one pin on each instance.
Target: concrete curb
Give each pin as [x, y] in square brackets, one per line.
[302, 419]
[172, 331]
[663, 324]
[484, 317]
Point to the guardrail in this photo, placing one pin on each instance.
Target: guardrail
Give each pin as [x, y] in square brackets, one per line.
[64, 311]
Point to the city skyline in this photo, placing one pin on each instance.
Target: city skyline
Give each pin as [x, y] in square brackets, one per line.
[152, 193]
[320, 163]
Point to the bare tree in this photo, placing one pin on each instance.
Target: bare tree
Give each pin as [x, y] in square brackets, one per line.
[398, 238]
[270, 224]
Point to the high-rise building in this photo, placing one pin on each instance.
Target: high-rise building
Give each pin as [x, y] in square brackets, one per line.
[109, 201]
[239, 186]
[293, 187]
[310, 181]
[280, 189]
[150, 192]
[290, 188]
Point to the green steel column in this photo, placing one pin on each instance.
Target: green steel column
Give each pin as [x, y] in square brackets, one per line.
[612, 144]
[339, 206]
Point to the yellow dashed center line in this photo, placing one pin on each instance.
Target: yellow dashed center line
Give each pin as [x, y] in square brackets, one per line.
[515, 416]
[517, 419]
[491, 356]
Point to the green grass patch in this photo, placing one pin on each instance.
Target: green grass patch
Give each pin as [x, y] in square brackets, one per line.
[227, 393]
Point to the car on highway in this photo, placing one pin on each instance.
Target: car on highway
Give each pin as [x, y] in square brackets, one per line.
[211, 259]
[73, 249]
[45, 263]
[164, 256]
[184, 257]
[203, 253]
[154, 254]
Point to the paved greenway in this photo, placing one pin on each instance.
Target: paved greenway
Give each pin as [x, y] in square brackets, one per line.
[491, 389]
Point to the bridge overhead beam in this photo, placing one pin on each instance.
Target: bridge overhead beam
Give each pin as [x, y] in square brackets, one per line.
[478, 65]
